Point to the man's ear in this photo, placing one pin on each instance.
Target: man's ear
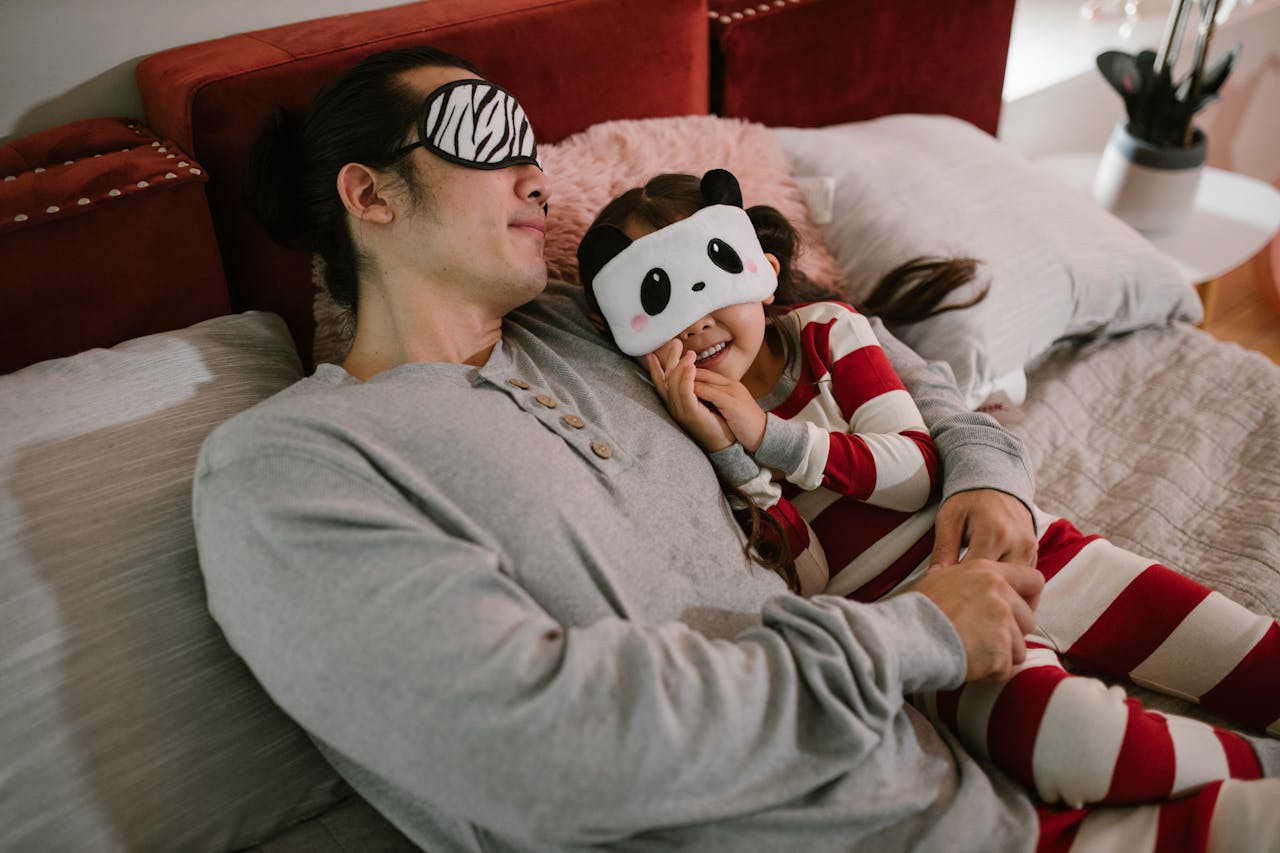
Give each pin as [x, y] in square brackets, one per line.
[358, 189]
[773, 262]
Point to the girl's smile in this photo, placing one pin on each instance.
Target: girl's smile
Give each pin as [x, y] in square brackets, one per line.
[728, 340]
[713, 355]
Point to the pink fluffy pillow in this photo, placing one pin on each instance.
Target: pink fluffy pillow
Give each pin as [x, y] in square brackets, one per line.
[590, 168]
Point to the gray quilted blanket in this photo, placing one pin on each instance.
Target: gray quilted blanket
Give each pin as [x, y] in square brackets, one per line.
[1167, 442]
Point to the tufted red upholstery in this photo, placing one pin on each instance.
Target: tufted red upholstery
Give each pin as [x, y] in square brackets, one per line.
[77, 267]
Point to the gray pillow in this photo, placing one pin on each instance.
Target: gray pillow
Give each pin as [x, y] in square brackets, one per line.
[126, 722]
[1057, 263]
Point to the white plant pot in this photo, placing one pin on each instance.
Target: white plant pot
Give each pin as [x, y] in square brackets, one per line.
[1152, 188]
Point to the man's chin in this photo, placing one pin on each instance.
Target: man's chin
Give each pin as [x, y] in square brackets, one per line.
[529, 288]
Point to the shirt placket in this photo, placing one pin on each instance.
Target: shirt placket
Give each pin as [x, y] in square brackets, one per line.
[588, 439]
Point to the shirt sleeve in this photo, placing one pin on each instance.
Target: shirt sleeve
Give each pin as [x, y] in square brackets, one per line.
[976, 452]
[736, 467]
[409, 648]
[871, 444]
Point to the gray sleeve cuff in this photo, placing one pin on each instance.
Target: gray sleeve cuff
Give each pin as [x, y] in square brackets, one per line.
[941, 667]
[977, 457]
[734, 465]
[897, 646]
[783, 445]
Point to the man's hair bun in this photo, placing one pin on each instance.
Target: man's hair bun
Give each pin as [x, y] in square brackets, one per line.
[271, 183]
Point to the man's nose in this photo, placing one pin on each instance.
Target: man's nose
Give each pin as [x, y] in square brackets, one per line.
[534, 184]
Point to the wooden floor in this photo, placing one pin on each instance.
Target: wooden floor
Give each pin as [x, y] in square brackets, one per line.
[1236, 309]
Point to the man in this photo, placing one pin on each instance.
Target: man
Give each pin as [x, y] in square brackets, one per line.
[459, 561]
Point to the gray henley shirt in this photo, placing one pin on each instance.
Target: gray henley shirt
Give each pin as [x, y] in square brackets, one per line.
[510, 605]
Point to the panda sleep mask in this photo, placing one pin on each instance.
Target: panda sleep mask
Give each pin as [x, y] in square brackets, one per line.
[477, 124]
[652, 289]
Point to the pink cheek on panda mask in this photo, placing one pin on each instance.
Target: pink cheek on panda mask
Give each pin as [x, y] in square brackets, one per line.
[638, 322]
[751, 266]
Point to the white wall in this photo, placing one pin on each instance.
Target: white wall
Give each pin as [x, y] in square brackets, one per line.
[1057, 102]
[62, 60]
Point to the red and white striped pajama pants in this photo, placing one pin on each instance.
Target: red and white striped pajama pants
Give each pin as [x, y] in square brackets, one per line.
[1076, 741]
[1223, 817]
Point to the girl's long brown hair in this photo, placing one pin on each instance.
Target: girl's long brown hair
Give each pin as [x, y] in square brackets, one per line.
[908, 294]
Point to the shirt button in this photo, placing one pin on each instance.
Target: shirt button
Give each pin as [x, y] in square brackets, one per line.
[599, 448]
[519, 383]
[546, 400]
[574, 421]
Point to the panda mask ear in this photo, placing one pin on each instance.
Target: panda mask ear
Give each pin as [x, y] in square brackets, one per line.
[719, 186]
[600, 245]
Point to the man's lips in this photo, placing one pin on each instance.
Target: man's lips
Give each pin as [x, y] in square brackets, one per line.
[537, 225]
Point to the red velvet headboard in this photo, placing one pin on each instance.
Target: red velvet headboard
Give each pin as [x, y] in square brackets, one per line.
[572, 63]
[810, 63]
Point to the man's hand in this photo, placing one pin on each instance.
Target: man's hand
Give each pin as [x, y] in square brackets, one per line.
[992, 607]
[672, 372]
[994, 525]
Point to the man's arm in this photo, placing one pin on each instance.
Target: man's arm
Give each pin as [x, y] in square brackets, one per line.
[986, 474]
[412, 651]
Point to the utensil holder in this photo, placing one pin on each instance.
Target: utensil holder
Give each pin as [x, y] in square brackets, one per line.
[1152, 188]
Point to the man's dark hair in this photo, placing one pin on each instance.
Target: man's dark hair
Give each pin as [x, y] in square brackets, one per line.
[364, 115]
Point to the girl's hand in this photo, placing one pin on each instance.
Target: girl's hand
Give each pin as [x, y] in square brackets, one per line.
[736, 405]
[673, 375]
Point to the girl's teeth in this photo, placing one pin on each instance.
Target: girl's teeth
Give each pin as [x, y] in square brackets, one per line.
[710, 351]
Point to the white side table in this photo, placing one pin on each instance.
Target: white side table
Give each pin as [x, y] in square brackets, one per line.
[1234, 217]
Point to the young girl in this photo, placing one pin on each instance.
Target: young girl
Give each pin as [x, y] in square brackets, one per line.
[800, 411]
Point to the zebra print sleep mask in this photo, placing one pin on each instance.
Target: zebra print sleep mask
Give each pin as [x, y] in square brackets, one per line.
[477, 124]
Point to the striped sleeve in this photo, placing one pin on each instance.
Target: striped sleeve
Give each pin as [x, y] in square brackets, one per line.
[804, 547]
[801, 542]
[975, 450]
[736, 467]
[864, 436]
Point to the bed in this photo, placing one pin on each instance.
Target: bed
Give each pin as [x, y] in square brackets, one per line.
[145, 306]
